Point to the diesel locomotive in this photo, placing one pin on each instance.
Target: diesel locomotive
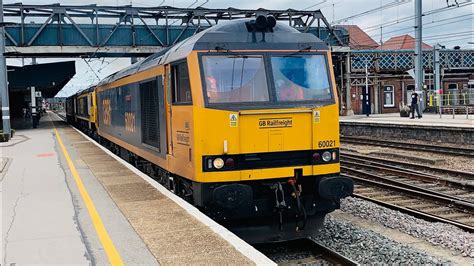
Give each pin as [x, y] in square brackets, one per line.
[241, 120]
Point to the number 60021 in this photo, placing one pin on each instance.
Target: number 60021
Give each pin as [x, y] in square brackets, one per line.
[327, 143]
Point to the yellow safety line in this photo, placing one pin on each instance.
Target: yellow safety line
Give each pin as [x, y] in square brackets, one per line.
[107, 244]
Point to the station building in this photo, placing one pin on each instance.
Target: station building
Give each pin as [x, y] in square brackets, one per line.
[388, 72]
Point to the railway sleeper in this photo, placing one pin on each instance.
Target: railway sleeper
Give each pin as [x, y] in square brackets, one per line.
[450, 191]
[435, 210]
[391, 198]
[467, 196]
[468, 220]
[423, 206]
[405, 202]
[362, 188]
[429, 185]
[371, 194]
[455, 215]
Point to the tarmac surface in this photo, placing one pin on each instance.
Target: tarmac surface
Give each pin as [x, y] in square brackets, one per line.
[67, 201]
[44, 219]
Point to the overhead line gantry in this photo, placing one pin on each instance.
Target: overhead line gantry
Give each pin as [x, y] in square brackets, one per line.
[98, 31]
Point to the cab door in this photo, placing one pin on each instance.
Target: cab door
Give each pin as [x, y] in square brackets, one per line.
[167, 84]
[181, 120]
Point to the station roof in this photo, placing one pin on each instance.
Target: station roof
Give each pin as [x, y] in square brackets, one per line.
[48, 78]
[359, 39]
[402, 42]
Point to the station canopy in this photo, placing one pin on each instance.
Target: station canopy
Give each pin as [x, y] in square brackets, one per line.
[48, 78]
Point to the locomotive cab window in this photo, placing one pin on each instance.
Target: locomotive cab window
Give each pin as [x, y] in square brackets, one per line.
[181, 90]
[235, 79]
[301, 78]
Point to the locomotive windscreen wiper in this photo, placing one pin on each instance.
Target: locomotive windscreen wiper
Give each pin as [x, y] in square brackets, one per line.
[219, 49]
[299, 51]
[234, 54]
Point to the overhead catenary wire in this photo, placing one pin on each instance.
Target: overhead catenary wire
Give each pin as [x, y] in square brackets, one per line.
[370, 11]
[408, 29]
[433, 22]
[91, 69]
[313, 5]
[409, 18]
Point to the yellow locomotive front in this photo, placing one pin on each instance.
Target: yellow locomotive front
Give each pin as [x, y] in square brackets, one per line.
[241, 120]
[266, 133]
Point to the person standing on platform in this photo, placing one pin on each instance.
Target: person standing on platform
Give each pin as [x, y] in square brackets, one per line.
[415, 100]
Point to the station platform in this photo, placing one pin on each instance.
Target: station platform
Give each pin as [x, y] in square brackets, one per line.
[428, 119]
[430, 128]
[66, 200]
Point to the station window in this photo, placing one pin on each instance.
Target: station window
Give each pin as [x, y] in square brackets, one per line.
[453, 94]
[409, 90]
[181, 90]
[388, 96]
[453, 86]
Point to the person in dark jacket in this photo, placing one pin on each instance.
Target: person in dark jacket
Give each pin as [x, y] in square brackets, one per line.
[415, 100]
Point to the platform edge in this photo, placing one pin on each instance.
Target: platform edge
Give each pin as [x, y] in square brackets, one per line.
[243, 247]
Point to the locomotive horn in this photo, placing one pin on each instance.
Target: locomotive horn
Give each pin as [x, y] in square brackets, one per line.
[261, 22]
[271, 21]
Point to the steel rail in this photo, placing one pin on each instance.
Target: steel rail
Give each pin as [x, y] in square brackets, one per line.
[316, 252]
[460, 207]
[415, 191]
[449, 199]
[406, 173]
[461, 151]
[417, 213]
[417, 166]
[331, 255]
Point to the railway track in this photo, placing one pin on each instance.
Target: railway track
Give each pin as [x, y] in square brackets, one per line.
[460, 184]
[423, 194]
[303, 251]
[415, 167]
[458, 151]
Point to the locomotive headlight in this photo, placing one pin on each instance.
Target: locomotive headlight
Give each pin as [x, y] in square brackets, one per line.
[218, 163]
[326, 156]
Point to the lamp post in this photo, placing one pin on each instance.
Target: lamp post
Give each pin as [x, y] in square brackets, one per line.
[437, 79]
[5, 111]
[367, 101]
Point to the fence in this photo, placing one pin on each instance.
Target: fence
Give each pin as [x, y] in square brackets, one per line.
[453, 103]
[451, 99]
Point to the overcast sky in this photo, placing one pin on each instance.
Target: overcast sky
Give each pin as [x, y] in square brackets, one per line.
[457, 24]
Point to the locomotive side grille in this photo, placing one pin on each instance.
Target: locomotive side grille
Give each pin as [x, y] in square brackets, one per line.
[150, 113]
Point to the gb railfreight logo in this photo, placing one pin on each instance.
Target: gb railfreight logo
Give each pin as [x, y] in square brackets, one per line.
[275, 122]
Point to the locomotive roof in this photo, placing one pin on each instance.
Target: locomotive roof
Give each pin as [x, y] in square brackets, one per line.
[86, 90]
[228, 35]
